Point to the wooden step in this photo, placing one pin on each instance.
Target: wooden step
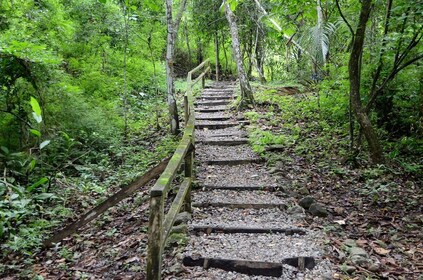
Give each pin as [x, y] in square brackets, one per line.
[210, 110]
[241, 205]
[231, 230]
[231, 142]
[213, 118]
[251, 267]
[233, 161]
[215, 97]
[212, 103]
[215, 125]
[242, 188]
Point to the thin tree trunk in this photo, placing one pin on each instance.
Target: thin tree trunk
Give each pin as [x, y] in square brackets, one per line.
[224, 51]
[246, 92]
[354, 67]
[188, 46]
[172, 31]
[171, 100]
[216, 44]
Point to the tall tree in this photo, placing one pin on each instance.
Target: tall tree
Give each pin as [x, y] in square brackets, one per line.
[246, 92]
[354, 68]
[172, 31]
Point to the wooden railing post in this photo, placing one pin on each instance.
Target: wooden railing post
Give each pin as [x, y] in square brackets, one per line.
[186, 109]
[189, 164]
[155, 248]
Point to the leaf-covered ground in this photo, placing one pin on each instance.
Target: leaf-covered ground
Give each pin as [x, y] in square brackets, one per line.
[379, 207]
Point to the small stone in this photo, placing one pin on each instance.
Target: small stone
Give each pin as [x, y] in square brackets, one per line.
[176, 269]
[182, 218]
[181, 228]
[317, 209]
[348, 269]
[303, 191]
[374, 267]
[305, 202]
[357, 251]
[296, 209]
[350, 243]
[360, 260]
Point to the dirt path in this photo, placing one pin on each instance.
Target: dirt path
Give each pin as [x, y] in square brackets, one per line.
[242, 226]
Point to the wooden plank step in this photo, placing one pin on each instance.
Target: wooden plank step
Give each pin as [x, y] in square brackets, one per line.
[231, 230]
[215, 125]
[212, 103]
[210, 110]
[233, 161]
[251, 267]
[241, 205]
[215, 97]
[231, 142]
[212, 118]
[242, 188]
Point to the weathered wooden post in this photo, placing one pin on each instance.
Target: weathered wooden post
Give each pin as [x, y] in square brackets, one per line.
[186, 110]
[154, 256]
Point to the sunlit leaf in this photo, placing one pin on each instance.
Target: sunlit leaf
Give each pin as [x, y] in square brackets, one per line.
[36, 184]
[44, 143]
[35, 132]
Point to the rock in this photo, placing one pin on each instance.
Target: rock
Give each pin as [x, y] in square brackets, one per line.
[305, 202]
[303, 191]
[182, 218]
[359, 256]
[360, 260]
[350, 243]
[374, 267]
[296, 209]
[181, 228]
[317, 209]
[357, 251]
[176, 269]
[348, 268]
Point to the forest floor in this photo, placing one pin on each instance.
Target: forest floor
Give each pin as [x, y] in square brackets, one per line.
[377, 209]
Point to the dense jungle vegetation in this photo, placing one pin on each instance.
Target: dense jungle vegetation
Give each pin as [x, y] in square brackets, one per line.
[87, 101]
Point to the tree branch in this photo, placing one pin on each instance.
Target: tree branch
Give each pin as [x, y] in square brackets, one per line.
[345, 20]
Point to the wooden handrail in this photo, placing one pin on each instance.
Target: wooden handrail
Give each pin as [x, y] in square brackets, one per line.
[160, 224]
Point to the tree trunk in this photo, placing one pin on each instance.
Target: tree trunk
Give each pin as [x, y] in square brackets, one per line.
[216, 44]
[354, 67]
[172, 30]
[188, 46]
[171, 100]
[246, 92]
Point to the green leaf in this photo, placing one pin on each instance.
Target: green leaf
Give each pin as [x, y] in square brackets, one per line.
[44, 196]
[36, 184]
[44, 143]
[35, 106]
[5, 150]
[35, 132]
[31, 165]
[102, 1]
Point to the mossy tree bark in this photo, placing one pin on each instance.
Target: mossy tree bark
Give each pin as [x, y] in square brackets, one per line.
[246, 92]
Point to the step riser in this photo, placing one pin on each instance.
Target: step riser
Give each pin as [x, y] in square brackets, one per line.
[215, 126]
[232, 230]
[232, 162]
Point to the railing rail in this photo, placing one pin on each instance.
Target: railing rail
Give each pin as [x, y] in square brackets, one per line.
[160, 224]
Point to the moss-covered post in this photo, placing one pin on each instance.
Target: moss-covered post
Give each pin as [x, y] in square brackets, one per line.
[189, 160]
[154, 253]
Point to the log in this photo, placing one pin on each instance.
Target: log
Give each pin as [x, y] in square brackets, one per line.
[220, 229]
[251, 267]
[233, 161]
[109, 202]
[240, 205]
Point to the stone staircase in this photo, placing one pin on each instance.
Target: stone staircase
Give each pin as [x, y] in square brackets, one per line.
[241, 226]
